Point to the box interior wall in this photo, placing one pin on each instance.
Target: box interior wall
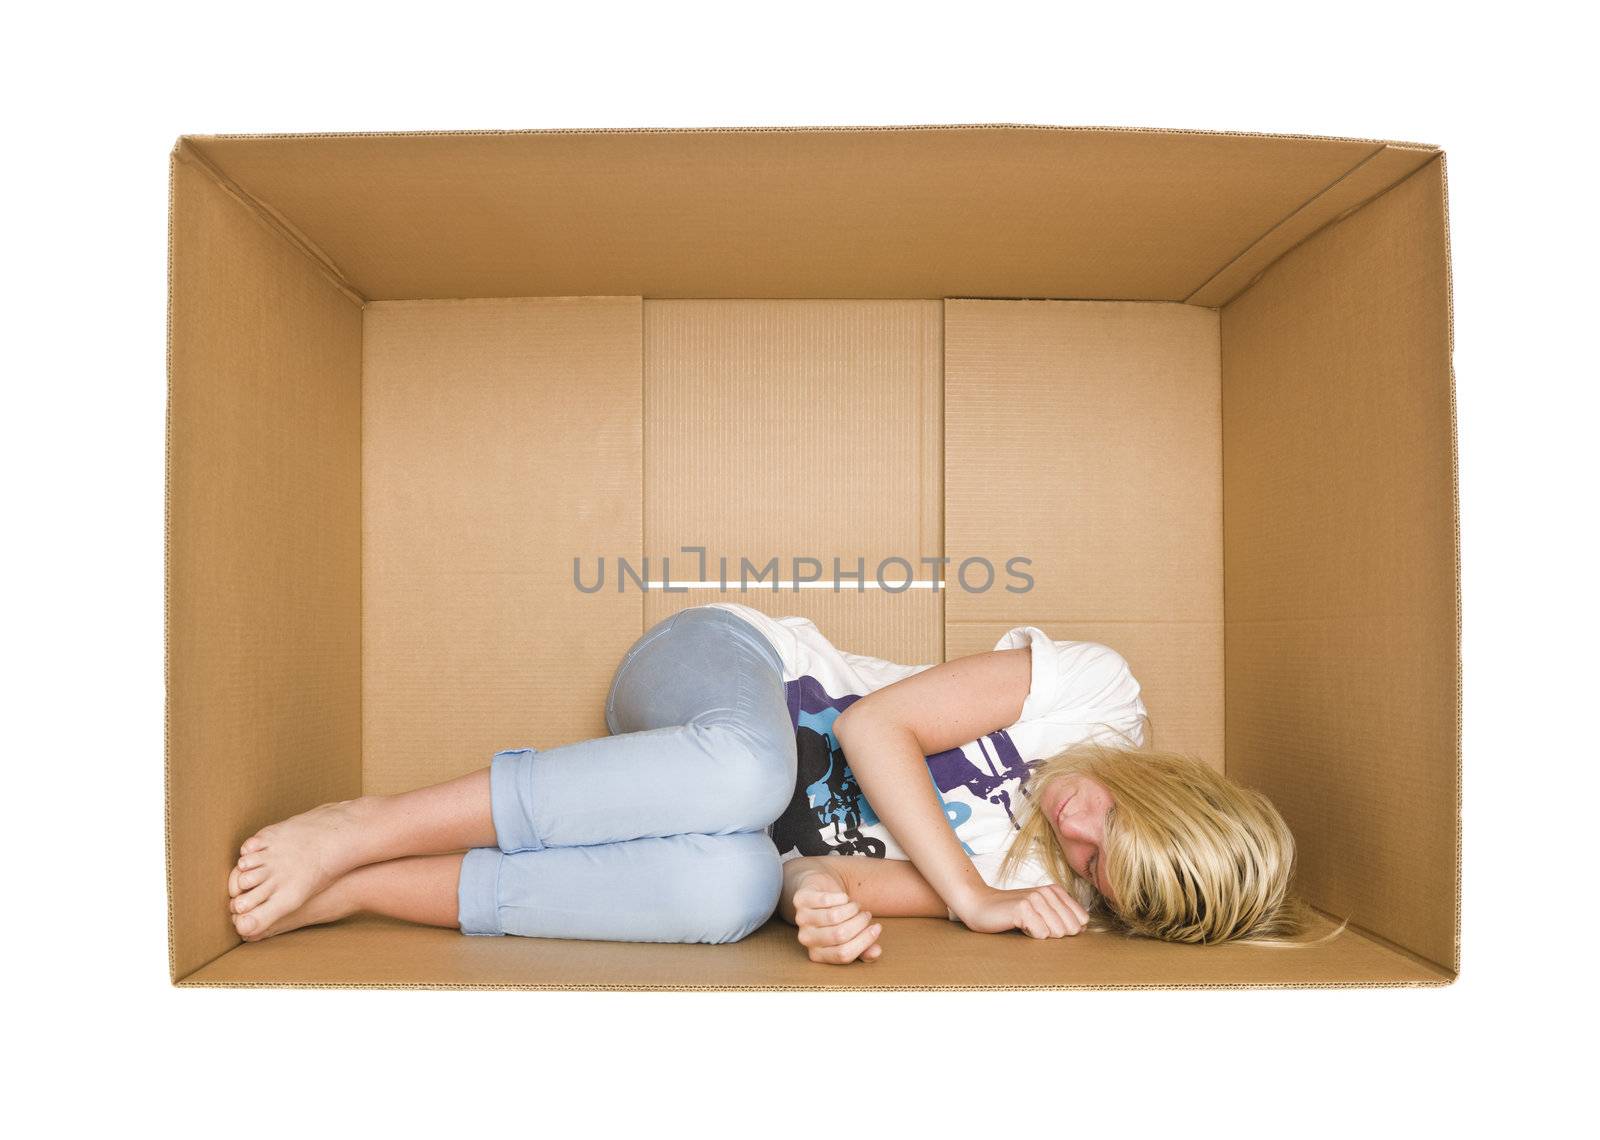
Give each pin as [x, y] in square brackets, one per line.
[1201, 381]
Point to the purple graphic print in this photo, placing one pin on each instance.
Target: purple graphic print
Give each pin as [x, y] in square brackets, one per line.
[827, 811]
[1002, 761]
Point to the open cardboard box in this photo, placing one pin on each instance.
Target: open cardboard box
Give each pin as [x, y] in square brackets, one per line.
[1202, 380]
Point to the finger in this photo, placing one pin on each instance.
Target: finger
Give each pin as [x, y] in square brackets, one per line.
[848, 951]
[834, 935]
[1046, 924]
[862, 942]
[826, 915]
[1073, 904]
[1027, 921]
[819, 896]
[1055, 919]
[1064, 911]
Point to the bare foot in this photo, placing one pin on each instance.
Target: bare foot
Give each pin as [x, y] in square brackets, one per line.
[283, 866]
[326, 906]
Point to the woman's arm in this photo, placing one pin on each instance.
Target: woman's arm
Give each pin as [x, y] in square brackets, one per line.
[888, 735]
[889, 888]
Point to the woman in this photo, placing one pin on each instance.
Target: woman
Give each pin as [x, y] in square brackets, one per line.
[723, 796]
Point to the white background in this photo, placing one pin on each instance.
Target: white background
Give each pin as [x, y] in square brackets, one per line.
[93, 102]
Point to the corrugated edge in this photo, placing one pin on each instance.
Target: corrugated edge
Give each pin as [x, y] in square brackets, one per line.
[166, 582]
[187, 151]
[1455, 487]
[172, 964]
[644, 449]
[361, 561]
[1382, 943]
[1222, 522]
[1420, 984]
[166, 591]
[817, 129]
[944, 470]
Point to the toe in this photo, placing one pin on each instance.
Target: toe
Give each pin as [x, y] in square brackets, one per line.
[251, 861]
[263, 917]
[254, 843]
[233, 883]
[250, 879]
[251, 899]
[246, 924]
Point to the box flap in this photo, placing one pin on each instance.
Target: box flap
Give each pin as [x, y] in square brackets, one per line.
[876, 212]
[1371, 178]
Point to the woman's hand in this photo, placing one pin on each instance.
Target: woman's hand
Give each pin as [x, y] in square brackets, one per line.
[1039, 912]
[832, 927]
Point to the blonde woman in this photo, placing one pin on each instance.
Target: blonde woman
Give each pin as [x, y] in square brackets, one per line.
[1006, 790]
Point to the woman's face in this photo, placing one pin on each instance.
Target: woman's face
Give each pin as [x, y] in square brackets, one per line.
[1076, 806]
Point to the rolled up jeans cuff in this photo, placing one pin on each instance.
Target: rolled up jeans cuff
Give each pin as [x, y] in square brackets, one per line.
[511, 799]
[478, 892]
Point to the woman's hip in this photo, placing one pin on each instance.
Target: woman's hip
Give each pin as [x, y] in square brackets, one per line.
[697, 664]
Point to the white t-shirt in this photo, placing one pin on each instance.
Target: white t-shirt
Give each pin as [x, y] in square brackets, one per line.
[1080, 690]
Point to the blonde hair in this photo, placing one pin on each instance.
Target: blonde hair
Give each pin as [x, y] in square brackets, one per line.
[1190, 855]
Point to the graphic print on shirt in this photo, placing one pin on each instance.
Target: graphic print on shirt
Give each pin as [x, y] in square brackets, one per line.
[828, 813]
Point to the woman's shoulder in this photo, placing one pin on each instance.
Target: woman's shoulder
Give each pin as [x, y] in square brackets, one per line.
[1086, 655]
[1076, 683]
[1078, 665]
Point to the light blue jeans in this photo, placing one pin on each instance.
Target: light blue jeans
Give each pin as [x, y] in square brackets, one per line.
[656, 833]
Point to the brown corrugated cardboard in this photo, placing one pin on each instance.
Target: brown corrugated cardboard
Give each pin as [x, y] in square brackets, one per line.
[919, 953]
[500, 438]
[1338, 437]
[1378, 172]
[413, 377]
[799, 430]
[263, 544]
[931, 212]
[1085, 435]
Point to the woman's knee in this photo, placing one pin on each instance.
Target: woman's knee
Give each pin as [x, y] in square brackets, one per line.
[686, 887]
[758, 781]
[742, 882]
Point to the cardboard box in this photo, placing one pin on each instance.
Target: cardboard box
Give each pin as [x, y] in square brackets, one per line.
[1203, 380]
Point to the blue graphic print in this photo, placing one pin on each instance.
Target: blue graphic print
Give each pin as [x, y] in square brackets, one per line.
[828, 810]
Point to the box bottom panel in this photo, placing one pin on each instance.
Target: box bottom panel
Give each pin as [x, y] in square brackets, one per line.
[918, 954]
